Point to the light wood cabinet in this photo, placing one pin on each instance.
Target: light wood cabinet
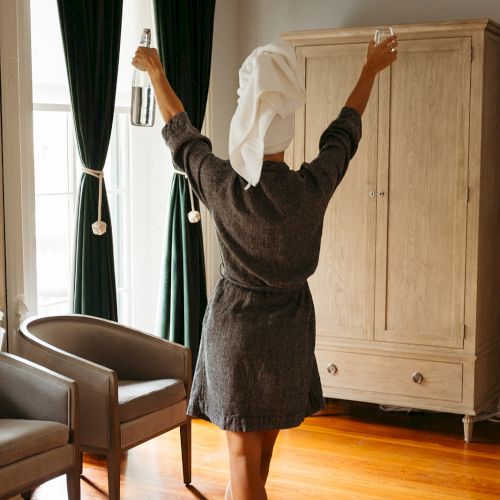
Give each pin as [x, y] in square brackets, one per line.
[407, 288]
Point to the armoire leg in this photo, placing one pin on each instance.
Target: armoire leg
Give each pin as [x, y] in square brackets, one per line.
[468, 421]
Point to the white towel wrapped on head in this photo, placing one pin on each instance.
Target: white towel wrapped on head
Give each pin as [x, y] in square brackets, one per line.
[269, 94]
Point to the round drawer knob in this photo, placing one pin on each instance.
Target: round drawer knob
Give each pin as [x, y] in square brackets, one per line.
[418, 378]
[332, 369]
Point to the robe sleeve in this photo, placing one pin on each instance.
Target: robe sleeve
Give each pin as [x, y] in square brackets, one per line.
[192, 153]
[337, 146]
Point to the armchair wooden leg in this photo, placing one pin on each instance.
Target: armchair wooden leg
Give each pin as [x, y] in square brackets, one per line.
[73, 484]
[186, 451]
[114, 474]
[81, 463]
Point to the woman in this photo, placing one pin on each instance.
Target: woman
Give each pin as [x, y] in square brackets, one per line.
[256, 371]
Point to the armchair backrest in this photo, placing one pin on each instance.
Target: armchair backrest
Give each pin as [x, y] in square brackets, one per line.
[29, 391]
[85, 337]
[124, 350]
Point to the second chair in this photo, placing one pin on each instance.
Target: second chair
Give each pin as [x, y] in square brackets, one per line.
[133, 386]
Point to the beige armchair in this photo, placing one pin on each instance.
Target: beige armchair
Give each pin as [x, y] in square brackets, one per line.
[38, 428]
[133, 386]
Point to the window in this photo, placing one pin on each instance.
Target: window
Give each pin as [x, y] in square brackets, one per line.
[137, 176]
[57, 177]
[54, 202]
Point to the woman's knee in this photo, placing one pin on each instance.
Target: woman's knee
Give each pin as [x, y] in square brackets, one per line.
[268, 442]
[257, 443]
[246, 445]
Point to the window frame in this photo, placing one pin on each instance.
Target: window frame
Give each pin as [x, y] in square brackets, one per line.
[18, 175]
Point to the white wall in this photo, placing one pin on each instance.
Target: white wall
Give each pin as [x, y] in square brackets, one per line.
[224, 73]
[224, 82]
[261, 21]
[149, 183]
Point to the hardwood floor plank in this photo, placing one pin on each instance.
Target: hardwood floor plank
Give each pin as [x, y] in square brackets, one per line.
[351, 451]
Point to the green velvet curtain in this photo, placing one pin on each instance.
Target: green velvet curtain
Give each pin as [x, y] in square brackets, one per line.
[91, 38]
[184, 32]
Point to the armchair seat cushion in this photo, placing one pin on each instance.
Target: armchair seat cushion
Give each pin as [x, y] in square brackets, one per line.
[140, 397]
[20, 439]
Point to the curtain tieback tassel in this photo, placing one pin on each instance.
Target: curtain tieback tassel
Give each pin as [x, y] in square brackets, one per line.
[193, 216]
[99, 226]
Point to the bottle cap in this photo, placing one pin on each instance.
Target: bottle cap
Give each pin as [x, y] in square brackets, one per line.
[146, 37]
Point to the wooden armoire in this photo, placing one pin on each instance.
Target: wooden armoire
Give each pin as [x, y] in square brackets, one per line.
[407, 291]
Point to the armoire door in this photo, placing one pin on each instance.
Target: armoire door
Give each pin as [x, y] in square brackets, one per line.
[422, 186]
[343, 285]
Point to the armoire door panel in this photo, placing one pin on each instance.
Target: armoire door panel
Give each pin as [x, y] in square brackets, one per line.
[343, 289]
[421, 241]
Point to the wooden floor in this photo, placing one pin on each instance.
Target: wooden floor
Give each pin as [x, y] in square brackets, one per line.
[351, 451]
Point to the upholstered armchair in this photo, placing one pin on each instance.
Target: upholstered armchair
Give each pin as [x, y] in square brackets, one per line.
[38, 428]
[133, 386]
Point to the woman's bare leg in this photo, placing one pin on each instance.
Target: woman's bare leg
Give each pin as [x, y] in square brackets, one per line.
[268, 440]
[245, 456]
[228, 495]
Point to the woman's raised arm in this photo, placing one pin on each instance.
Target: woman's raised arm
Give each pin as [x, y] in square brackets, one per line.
[378, 57]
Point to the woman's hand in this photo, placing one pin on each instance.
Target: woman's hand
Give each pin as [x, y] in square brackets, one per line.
[147, 59]
[382, 55]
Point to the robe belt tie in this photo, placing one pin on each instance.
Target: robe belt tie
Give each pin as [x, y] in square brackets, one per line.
[194, 216]
[260, 288]
[99, 226]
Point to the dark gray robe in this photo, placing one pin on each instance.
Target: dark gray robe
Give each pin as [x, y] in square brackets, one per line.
[256, 368]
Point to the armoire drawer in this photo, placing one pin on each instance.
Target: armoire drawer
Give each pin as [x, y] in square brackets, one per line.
[390, 375]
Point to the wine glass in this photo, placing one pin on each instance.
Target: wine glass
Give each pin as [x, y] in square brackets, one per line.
[382, 34]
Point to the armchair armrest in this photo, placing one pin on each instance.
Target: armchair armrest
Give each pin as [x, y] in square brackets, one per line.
[32, 392]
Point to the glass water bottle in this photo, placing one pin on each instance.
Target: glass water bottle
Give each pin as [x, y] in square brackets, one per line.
[142, 111]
